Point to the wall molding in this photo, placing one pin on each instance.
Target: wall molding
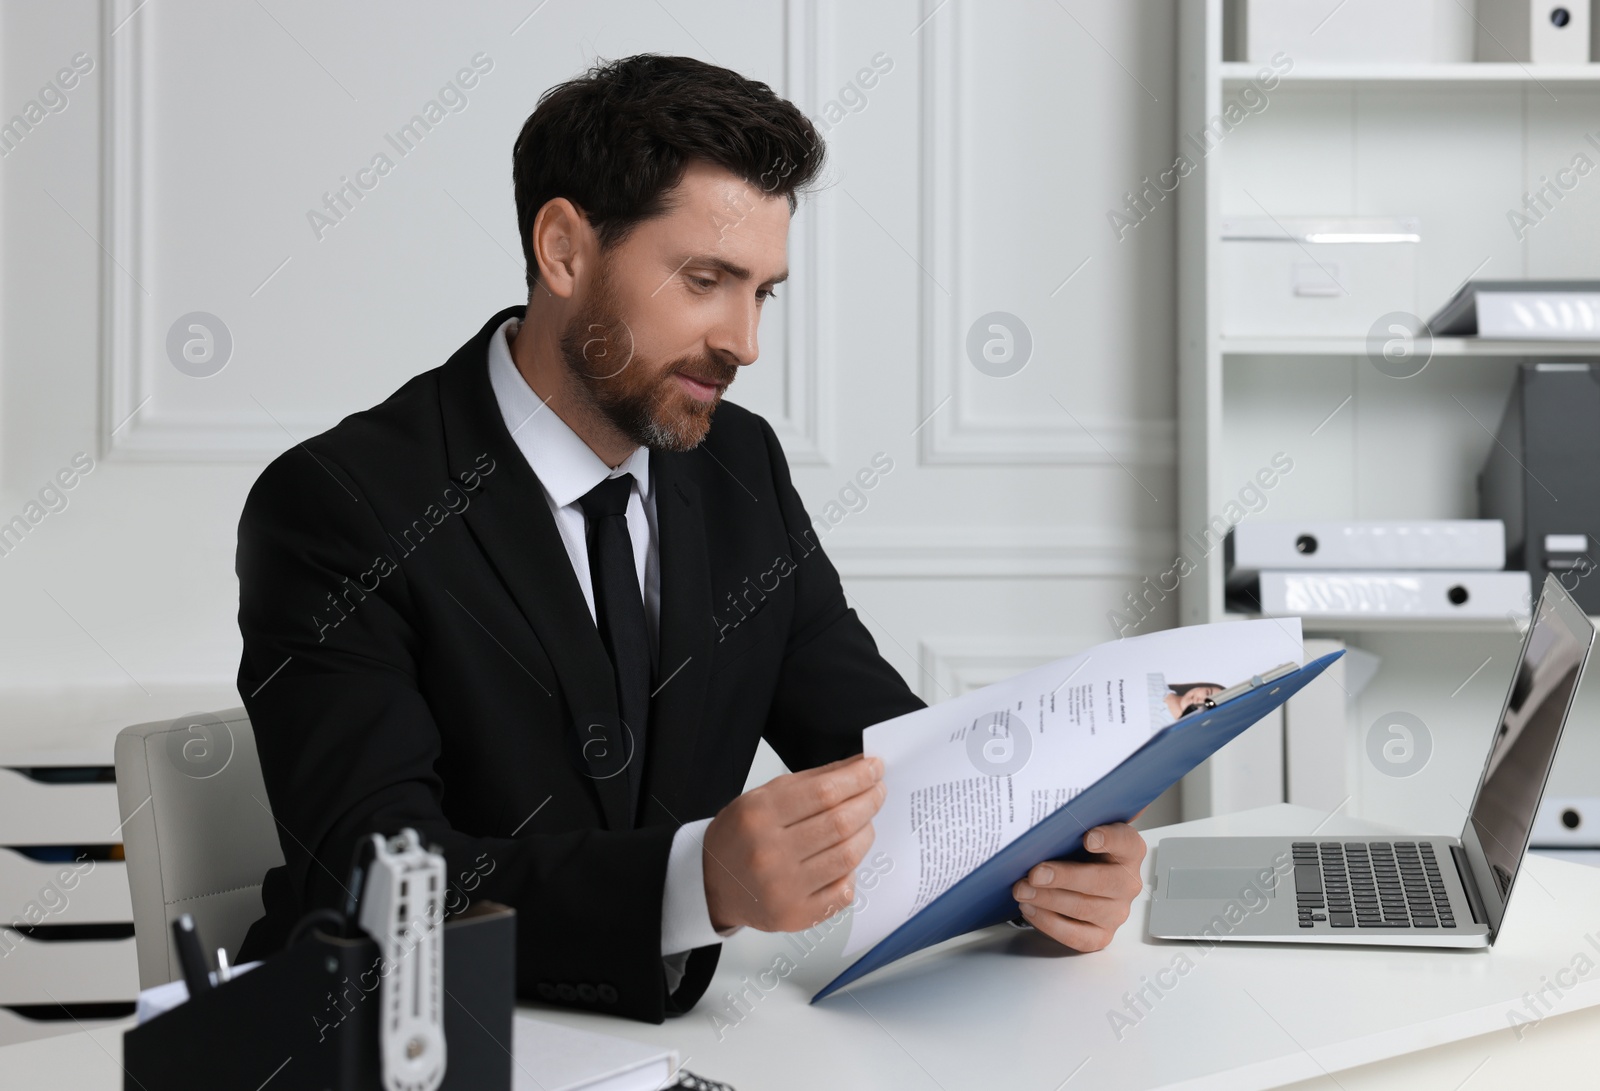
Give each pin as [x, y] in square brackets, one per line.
[805, 427]
[123, 432]
[133, 426]
[999, 553]
[949, 668]
[953, 434]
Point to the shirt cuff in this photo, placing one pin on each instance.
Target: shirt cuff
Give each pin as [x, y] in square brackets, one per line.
[685, 917]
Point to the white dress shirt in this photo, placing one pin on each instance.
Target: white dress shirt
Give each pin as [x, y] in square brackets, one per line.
[567, 469]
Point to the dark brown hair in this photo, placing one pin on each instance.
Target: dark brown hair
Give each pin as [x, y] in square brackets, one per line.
[615, 140]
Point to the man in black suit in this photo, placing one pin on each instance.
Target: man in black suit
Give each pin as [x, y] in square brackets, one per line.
[541, 606]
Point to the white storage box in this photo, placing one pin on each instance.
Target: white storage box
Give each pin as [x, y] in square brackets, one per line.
[1323, 277]
[1534, 31]
[1386, 31]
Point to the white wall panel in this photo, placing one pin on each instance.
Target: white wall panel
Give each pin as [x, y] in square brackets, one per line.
[985, 155]
[1014, 220]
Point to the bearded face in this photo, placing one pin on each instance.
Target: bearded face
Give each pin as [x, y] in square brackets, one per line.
[662, 405]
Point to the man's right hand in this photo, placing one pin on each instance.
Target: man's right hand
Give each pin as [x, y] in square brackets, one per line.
[783, 856]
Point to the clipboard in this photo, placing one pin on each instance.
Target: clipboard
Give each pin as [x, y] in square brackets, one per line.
[983, 897]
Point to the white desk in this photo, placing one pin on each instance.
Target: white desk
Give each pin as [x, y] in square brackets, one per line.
[1003, 1009]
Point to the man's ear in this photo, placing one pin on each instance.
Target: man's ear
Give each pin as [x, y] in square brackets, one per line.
[563, 242]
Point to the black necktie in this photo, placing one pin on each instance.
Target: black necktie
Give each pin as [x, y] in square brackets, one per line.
[619, 614]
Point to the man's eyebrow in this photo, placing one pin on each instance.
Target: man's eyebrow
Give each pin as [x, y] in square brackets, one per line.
[738, 272]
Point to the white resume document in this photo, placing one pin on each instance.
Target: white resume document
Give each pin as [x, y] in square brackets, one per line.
[969, 775]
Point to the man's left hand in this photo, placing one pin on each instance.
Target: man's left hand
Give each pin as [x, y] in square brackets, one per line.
[1081, 903]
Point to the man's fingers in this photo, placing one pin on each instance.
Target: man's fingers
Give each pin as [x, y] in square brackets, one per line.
[802, 795]
[1108, 879]
[831, 899]
[823, 831]
[1081, 904]
[1065, 930]
[1107, 913]
[840, 764]
[830, 864]
[1117, 840]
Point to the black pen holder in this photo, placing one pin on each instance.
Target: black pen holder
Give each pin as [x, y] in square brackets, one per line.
[308, 1018]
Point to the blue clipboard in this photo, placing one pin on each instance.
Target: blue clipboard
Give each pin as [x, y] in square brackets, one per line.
[983, 898]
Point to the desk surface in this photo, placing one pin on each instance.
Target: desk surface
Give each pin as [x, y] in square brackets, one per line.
[1007, 1008]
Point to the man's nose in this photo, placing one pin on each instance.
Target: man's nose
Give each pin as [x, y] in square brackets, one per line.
[736, 338]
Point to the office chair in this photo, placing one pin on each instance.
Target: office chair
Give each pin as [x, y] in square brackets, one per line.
[197, 830]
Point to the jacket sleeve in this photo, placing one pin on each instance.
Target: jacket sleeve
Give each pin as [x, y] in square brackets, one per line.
[833, 682]
[349, 747]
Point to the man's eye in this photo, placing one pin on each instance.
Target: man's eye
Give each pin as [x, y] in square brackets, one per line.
[705, 284]
[765, 294]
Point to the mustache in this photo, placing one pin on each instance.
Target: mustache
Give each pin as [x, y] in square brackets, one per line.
[707, 370]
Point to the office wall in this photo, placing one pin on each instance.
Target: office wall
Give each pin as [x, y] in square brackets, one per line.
[976, 151]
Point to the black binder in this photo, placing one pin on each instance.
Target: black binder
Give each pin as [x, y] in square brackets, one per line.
[1542, 476]
[308, 1018]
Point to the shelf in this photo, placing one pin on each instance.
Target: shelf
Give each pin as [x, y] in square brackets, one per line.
[1329, 626]
[1236, 74]
[1442, 346]
[1323, 626]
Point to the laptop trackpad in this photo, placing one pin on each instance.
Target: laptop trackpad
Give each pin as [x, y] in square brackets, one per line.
[1217, 883]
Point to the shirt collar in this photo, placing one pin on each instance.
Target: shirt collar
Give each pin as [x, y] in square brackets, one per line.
[564, 464]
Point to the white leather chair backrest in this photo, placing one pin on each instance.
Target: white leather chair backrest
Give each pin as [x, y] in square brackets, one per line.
[198, 833]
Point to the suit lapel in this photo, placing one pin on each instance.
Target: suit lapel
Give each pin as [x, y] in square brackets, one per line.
[684, 633]
[513, 525]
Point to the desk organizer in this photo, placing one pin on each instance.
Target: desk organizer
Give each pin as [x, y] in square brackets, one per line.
[308, 1017]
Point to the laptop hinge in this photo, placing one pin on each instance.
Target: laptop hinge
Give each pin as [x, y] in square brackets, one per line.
[1464, 870]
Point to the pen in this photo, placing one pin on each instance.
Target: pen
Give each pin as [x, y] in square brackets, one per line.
[191, 956]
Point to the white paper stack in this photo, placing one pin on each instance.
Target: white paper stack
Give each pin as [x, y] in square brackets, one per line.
[554, 1057]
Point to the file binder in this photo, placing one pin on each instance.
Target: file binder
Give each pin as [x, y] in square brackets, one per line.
[1539, 476]
[1400, 596]
[1522, 310]
[1382, 544]
[308, 1017]
[983, 897]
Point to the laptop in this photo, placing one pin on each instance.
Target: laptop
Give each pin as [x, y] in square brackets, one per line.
[1401, 890]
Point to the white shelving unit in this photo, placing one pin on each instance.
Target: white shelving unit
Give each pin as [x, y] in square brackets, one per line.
[1459, 146]
[1442, 347]
[1235, 74]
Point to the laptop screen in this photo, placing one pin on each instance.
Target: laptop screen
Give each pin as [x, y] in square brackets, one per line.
[1524, 746]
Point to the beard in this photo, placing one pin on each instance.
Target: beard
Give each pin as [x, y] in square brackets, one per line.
[639, 396]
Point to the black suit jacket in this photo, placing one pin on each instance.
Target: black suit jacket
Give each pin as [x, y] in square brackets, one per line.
[418, 652]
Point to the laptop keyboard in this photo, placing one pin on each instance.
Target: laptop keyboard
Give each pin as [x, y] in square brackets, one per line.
[1370, 884]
